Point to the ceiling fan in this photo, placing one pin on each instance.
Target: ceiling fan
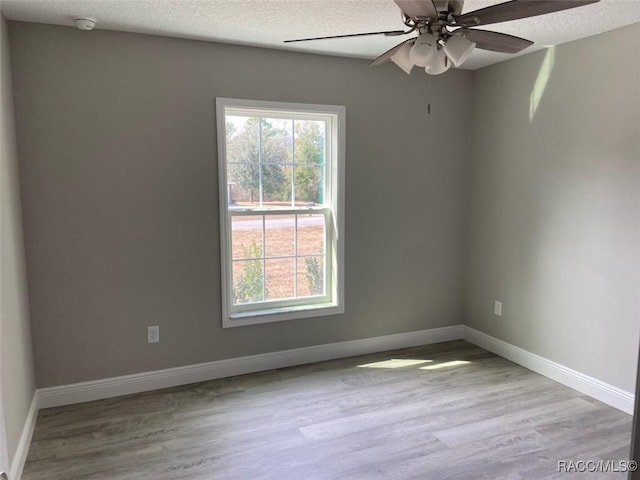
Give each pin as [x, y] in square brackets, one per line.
[446, 36]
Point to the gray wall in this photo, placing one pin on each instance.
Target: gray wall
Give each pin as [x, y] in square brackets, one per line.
[555, 204]
[16, 361]
[117, 147]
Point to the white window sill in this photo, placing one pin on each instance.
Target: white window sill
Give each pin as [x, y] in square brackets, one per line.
[281, 314]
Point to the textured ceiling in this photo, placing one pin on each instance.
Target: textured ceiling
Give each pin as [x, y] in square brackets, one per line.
[266, 23]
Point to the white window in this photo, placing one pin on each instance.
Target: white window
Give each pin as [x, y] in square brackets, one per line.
[281, 174]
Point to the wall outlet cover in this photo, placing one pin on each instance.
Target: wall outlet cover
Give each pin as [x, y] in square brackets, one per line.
[153, 334]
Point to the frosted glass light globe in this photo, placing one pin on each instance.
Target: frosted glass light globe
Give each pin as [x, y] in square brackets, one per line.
[440, 63]
[423, 50]
[401, 58]
[458, 49]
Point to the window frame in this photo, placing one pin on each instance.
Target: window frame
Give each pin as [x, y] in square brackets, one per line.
[303, 307]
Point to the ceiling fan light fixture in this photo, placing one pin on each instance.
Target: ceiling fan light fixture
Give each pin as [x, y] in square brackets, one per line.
[458, 49]
[440, 63]
[401, 58]
[423, 50]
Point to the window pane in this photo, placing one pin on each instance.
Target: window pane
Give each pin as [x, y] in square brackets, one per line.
[309, 185]
[280, 235]
[242, 149]
[309, 141]
[280, 275]
[277, 142]
[243, 185]
[242, 138]
[276, 185]
[276, 153]
[311, 234]
[246, 237]
[310, 276]
[248, 282]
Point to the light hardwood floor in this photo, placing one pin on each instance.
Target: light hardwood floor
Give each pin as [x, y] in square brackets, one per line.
[339, 420]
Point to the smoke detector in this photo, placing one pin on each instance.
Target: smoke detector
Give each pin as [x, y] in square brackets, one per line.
[85, 23]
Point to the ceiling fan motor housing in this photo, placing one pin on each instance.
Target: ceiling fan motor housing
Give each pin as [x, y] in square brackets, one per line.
[452, 6]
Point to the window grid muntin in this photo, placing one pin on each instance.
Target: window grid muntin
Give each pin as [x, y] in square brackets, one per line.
[261, 116]
[296, 255]
[325, 255]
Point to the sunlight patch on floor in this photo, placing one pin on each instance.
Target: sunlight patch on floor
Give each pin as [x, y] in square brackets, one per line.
[395, 363]
[453, 363]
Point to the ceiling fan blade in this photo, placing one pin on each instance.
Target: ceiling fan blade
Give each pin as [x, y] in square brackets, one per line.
[386, 56]
[494, 41]
[415, 9]
[389, 33]
[516, 9]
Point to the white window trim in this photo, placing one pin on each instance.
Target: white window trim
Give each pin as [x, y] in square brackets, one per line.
[335, 251]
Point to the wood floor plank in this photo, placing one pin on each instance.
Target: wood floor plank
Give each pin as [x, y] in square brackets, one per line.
[445, 411]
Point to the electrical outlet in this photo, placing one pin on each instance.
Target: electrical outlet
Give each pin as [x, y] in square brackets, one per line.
[153, 334]
[497, 308]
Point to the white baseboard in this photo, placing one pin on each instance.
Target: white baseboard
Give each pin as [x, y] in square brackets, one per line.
[616, 397]
[20, 457]
[171, 377]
